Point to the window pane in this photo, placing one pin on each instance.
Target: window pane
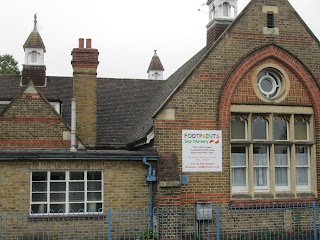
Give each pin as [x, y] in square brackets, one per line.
[76, 186]
[57, 197]
[94, 207]
[239, 177]
[259, 128]
[57, 176]
[39, 197]
[302, 176]
[281, 155]
[39, 208]
[94, 186]
[94, 175]
[300, 129]
[260, 176]
[239, 166]
[94, 196]
[76, 175]
[61, 208]
[260, 156]
[76, 196]
[39, 176]
[280, 129]
[58, 186]
[281, 176]
[238, 128]
[260, 162]
[76, 207]
[302, 156]
[39, 187]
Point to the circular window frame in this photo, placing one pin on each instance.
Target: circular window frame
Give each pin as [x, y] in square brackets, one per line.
[281, 83]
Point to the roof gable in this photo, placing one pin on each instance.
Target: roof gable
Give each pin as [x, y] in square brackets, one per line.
[287, 20]
[30, 122]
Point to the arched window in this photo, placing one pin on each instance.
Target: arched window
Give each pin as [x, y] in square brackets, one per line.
[280, 128]
[238, 128]
[259, 128]
[34, 56]
[301, 129]
[226, 9]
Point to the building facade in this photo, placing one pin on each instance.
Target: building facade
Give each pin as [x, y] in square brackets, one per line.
[254, 90]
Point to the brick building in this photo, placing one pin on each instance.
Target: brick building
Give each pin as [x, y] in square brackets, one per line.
[238, 123]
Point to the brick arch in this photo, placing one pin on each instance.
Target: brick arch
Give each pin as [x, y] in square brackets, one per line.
[248, 62]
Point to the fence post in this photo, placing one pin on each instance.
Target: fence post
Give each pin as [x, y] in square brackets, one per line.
[109, 223]
[218, 222]
[314, 220]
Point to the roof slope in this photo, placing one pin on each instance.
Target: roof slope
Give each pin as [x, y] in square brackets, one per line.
[145, 123]
[121, 102]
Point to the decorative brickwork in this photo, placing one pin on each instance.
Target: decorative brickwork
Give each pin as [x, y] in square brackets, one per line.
[36, 74]
[245, 94]
[30, 122]
[224, 77]
[301, 74]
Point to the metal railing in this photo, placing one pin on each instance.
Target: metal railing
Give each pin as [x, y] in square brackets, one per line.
[270, 221]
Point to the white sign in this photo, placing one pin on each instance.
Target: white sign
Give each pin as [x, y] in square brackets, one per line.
[201, 151]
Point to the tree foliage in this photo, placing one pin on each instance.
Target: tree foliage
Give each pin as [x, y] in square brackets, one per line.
[8, 65]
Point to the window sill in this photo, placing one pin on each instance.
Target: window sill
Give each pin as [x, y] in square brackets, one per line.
[264, 200]
[66, 215]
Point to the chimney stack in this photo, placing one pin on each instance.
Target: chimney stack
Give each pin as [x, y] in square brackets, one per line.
[81, 43]
[88, 43]
[85, 63]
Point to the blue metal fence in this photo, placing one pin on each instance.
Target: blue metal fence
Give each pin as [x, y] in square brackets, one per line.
[270, 221]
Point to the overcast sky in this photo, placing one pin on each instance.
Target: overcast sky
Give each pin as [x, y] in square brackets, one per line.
[124, 31]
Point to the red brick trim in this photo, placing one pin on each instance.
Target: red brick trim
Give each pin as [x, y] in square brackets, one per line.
[29, 119]
[34, 143]
[247, 63]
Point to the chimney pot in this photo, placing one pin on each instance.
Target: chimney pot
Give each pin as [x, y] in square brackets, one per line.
[88, 43]
[81, 43]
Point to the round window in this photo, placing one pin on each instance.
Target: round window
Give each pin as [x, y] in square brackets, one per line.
[269, 83]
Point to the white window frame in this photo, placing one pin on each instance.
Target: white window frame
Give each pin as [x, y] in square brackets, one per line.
[242, 189]
[304, 188]
[67, 192]
[288, 187]
[267, 166]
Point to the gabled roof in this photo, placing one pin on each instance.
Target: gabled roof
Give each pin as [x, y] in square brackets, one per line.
[121, 102]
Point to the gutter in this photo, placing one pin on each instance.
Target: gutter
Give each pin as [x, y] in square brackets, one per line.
[56, 157]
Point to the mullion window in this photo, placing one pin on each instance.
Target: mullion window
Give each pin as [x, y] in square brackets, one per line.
[268, 140]
[66, 191]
